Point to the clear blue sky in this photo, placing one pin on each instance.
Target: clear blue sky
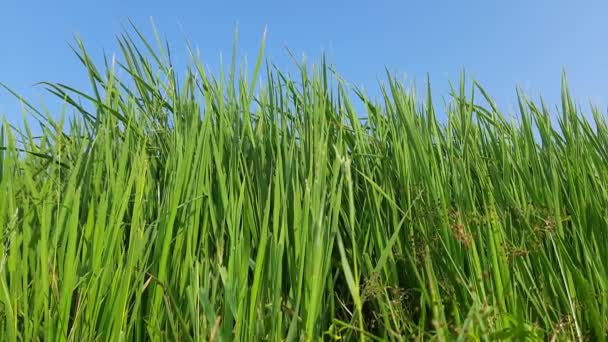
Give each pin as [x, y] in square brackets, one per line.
[503, 44]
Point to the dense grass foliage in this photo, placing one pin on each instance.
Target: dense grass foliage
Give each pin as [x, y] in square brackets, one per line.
[222, 208]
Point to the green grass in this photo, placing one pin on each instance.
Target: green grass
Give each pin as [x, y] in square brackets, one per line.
[262, 207]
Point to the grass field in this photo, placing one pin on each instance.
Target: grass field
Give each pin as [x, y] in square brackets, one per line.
[217, 207]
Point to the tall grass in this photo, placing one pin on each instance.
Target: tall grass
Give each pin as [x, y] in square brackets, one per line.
[227, 208]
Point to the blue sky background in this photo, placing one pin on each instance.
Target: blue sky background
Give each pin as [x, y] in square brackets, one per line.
[503, 44]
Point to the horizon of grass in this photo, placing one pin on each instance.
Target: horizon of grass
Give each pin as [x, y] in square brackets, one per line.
[219, 208]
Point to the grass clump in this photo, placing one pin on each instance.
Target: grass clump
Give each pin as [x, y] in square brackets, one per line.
[205, 208]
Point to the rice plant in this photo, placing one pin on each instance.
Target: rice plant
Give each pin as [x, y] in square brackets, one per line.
[257, 206]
